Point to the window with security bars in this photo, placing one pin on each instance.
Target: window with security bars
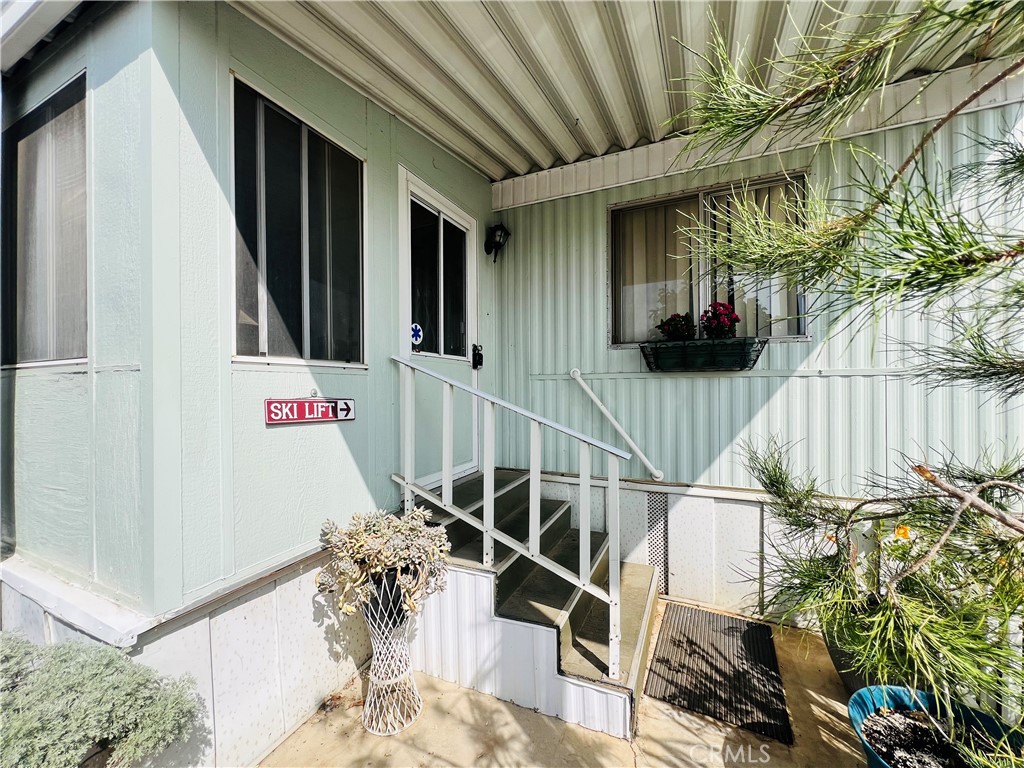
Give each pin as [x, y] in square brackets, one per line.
[298, 259]
[658, 268]
[45, 231]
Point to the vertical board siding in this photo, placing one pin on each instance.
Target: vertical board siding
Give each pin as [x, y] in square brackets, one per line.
[841, 398]
[258, 495]
[71, 436]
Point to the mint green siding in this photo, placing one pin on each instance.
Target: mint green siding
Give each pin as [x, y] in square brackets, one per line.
[71, 435]
[158, 479]
[845, 402]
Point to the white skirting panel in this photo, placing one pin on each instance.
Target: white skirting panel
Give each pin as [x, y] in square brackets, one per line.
[263, 661]
[459, 639]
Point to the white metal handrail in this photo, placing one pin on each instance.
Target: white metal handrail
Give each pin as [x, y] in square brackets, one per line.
[486, 396]
[410, 489]
[656, 474]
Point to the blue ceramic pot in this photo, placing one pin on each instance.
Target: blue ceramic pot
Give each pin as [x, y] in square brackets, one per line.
[867, 701]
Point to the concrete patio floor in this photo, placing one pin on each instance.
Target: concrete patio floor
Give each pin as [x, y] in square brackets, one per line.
[461, 727]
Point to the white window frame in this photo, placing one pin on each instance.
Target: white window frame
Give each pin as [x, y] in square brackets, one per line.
[411, 188]
[308, 122]
[703, 295]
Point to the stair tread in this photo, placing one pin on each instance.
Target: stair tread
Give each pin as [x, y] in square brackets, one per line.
[470, 489]
[588, 657]
[516, 525]
[543, 596]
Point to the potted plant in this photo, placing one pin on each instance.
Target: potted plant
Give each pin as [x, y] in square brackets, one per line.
[677, 327]
[719, 350]
[719, 321]
[384, 565]
[917, 587]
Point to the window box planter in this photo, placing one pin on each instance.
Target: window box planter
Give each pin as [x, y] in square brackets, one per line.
[703, 354]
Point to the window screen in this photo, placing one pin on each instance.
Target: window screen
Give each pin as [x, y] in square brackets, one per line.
[45, 235]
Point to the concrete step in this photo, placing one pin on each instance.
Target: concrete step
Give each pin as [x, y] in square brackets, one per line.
[542, 597]
[584, 636]
[513, 568]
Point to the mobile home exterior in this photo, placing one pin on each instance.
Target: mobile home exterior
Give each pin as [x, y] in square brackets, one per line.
[251, 218]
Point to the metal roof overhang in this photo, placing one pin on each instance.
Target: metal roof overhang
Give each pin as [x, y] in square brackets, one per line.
[515, 87]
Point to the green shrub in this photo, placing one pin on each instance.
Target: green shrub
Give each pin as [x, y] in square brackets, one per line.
[58, 702]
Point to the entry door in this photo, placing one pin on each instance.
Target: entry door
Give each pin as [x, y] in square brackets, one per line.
[439, 323]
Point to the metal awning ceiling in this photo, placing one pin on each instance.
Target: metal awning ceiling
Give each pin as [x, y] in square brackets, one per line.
[514, 87]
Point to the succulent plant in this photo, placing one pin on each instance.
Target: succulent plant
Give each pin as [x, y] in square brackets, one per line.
[373, 544]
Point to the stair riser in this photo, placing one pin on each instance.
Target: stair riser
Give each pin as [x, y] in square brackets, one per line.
[460, 532]
[458, 639]
[513, 574]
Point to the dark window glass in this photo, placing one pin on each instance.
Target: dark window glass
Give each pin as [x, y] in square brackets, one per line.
[282, 156]
[346, 264]
[438, 251]
[285, 229]
[454, 242]
[247, 326]
[319, 255]
[424, 225]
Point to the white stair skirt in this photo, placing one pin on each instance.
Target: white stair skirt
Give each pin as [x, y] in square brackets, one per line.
[458, 638]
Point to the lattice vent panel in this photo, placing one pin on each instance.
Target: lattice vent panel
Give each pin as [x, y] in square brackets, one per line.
[657, 537]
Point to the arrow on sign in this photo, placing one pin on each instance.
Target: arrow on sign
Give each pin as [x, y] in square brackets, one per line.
[344, 407]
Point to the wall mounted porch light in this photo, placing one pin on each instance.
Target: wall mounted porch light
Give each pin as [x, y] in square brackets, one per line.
[496, 238]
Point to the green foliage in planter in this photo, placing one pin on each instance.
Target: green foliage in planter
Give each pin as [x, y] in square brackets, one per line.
[934, 605]
[58, 702]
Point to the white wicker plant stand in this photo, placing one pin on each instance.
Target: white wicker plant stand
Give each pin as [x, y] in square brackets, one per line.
[392, 701]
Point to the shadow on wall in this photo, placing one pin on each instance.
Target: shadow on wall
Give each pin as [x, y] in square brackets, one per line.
[343, 635]
[192, 752]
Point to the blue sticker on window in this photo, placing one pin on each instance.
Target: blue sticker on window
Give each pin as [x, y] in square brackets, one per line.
[417, 334]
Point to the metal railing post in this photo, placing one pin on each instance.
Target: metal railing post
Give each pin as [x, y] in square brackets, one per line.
[534, 488]
[408, 409]
[447, 443]
[488, 483]
[612, 512]
[585, 513]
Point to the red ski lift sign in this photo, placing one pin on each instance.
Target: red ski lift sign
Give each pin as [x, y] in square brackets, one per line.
[300, 410]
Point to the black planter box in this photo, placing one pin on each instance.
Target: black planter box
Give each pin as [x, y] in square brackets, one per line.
[703, 354]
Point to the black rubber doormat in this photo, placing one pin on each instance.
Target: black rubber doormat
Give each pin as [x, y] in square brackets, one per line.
[721, 666]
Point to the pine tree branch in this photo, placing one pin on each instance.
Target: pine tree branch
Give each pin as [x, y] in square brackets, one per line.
[964, 103]
[928, 556]
[971, 499]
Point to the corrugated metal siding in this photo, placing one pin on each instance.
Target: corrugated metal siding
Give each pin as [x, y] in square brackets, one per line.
[842, 402]
[459, 639]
